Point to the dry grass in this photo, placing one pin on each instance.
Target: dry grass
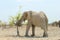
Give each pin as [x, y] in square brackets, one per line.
[10, 34]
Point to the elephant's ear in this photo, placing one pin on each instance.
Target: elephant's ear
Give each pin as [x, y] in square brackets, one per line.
[29, 15]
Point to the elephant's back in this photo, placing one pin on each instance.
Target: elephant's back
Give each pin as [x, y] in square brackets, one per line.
[38, 14]
[38, 19]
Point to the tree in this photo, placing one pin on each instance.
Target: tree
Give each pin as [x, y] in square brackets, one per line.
[0, 23]
[13, 19]
[17, 18]
[3, 24]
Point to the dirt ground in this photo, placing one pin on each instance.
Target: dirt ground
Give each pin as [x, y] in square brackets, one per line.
[10, 34]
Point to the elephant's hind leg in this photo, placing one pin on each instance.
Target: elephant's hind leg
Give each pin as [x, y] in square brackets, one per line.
[45, 33]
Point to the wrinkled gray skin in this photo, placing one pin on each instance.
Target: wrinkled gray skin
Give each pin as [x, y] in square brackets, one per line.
[38, 19]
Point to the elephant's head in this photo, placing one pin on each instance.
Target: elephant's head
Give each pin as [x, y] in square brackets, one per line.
[25, 16]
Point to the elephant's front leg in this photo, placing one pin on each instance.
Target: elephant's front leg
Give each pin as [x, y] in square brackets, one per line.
[27, 28]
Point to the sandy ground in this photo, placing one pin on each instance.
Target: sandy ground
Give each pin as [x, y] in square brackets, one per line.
[10, 34]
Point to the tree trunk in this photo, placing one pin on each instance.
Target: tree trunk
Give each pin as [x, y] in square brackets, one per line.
[18, 31]
[59, 23]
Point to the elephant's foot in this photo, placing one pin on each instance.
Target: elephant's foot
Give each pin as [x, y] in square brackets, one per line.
[26, 35]
[45, 35]
[17, 35]
[32, 35]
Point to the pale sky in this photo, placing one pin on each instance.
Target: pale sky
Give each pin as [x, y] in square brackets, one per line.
[11, 7]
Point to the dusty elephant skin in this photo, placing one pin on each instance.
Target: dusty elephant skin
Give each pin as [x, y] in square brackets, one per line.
[34, 19]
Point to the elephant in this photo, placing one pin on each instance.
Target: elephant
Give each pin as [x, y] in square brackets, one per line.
[59, 23]
[35, 19]
[55, 23]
